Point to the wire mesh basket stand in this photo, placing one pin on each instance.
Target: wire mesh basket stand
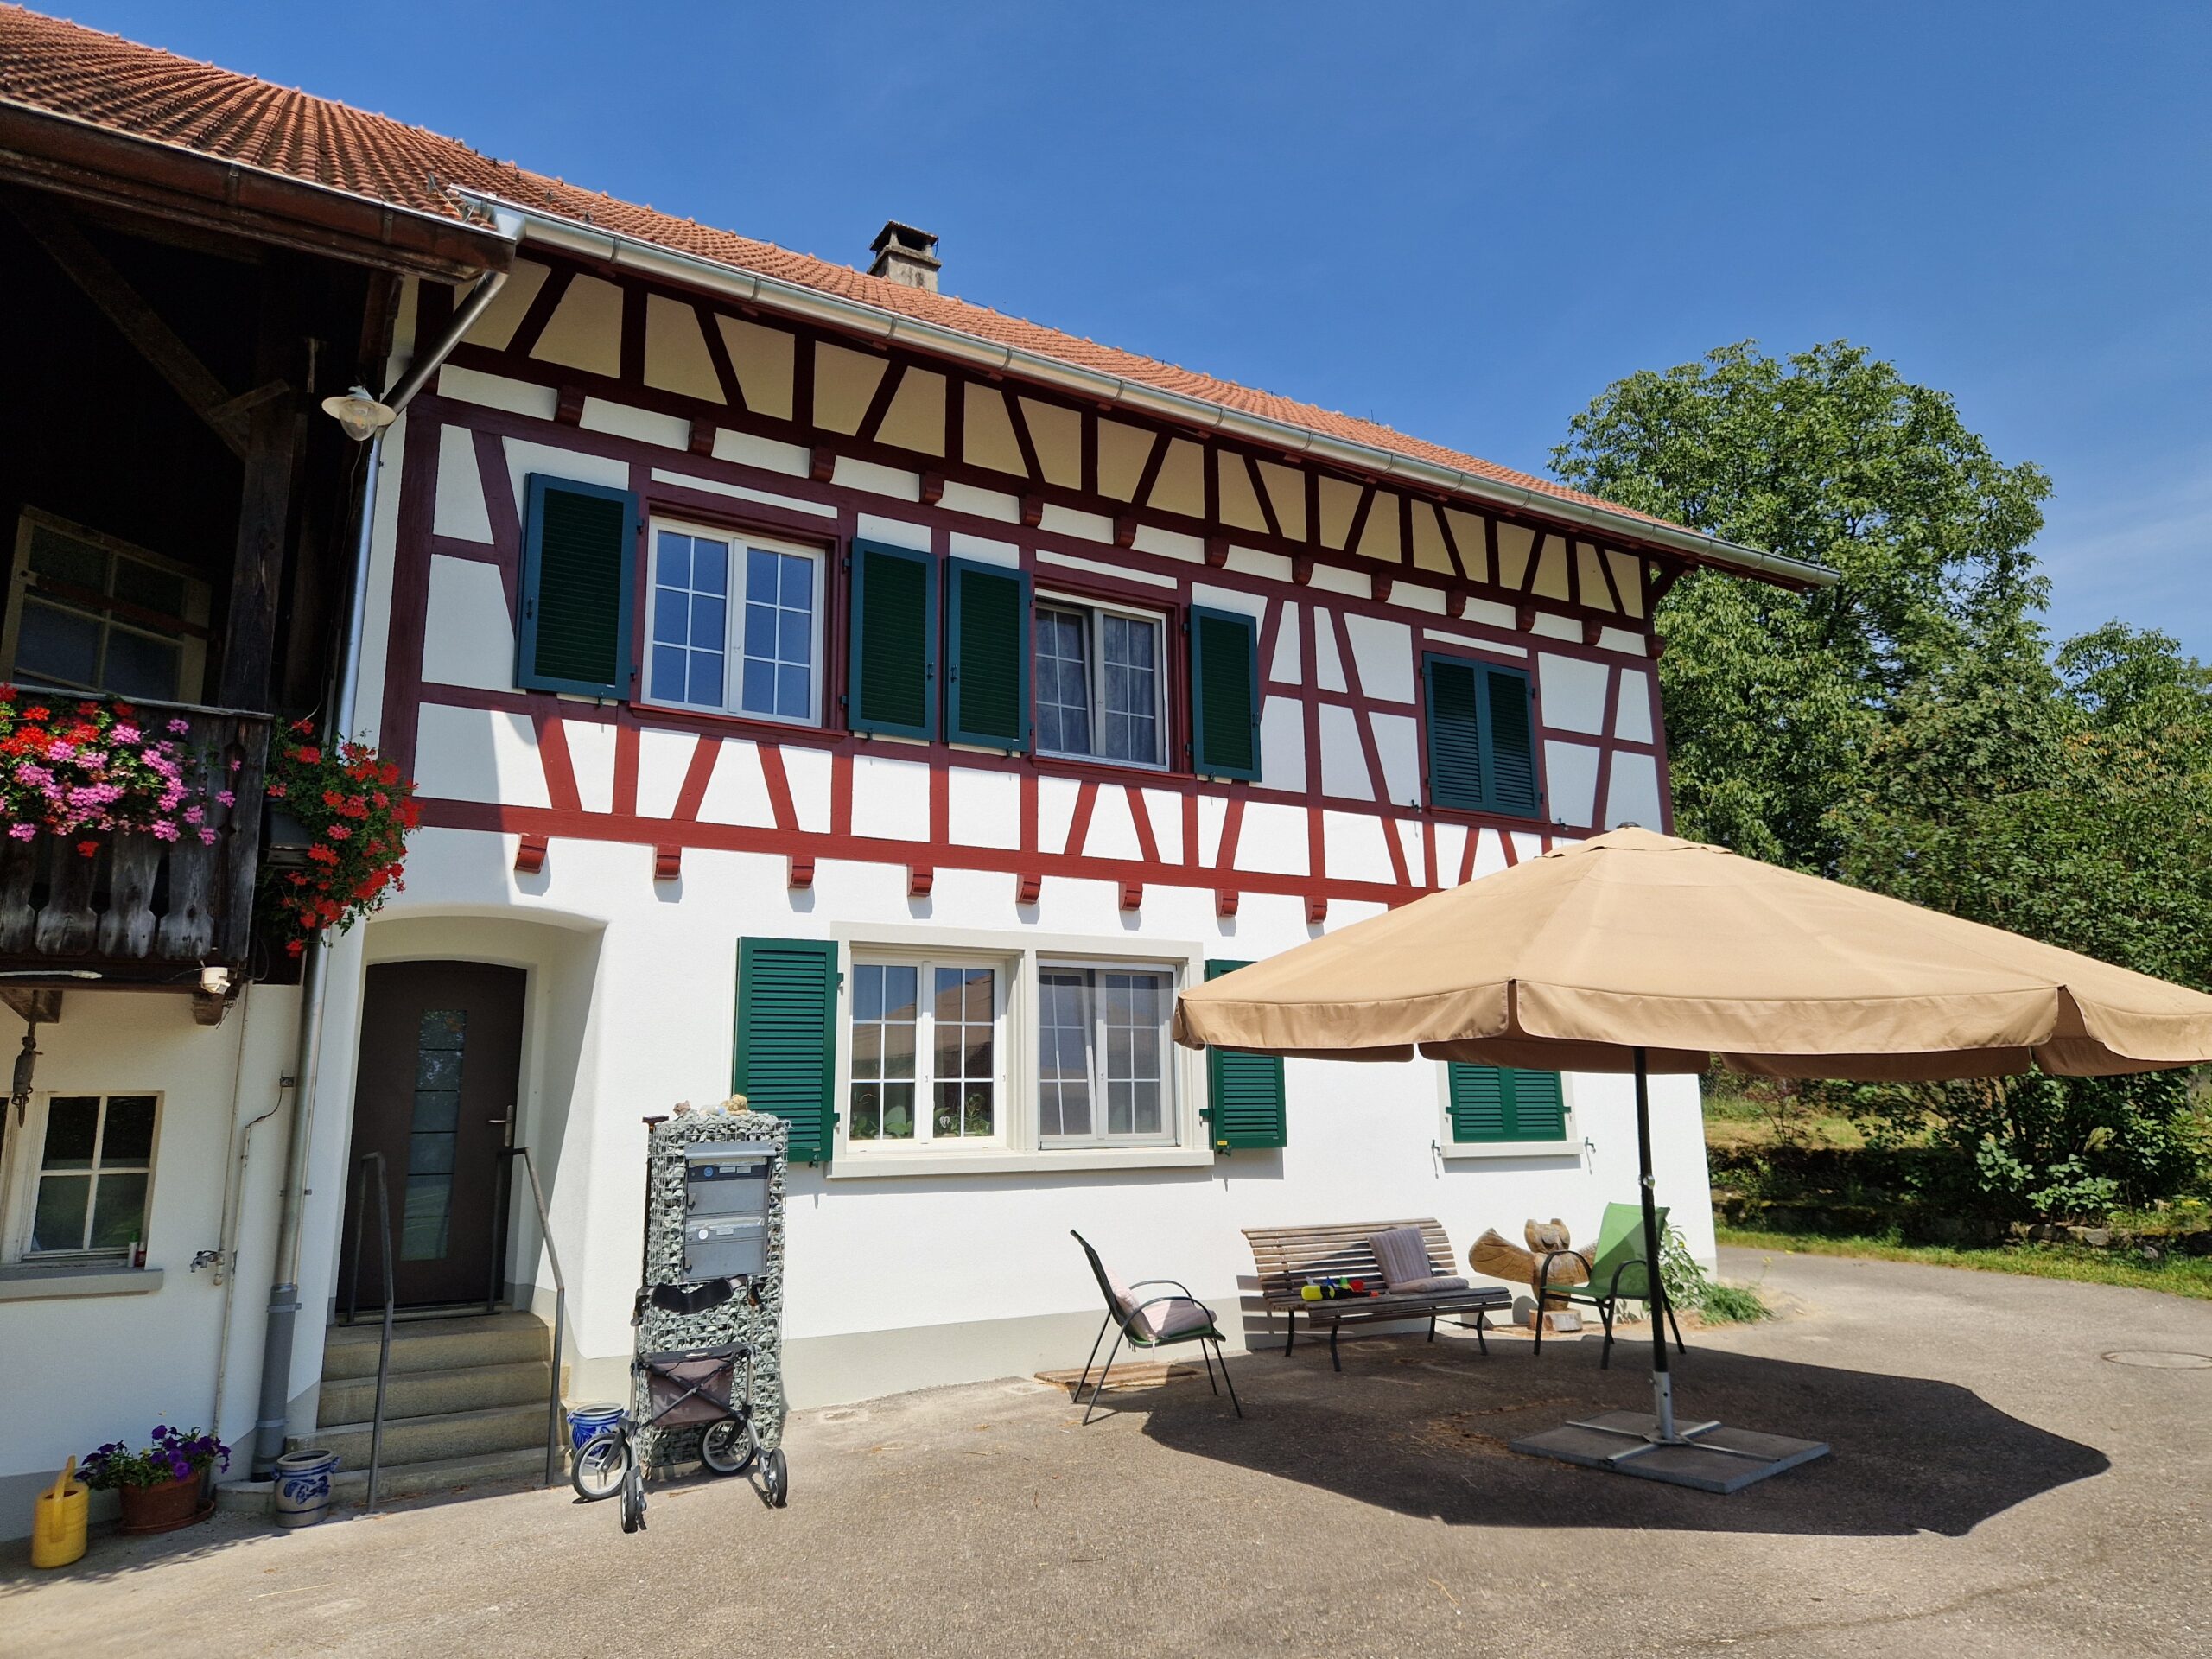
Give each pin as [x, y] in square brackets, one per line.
[709, 1311]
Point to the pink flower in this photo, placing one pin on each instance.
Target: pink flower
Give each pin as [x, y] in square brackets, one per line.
[227, 797]
[179, 727]
[235, 763]
[124, 732]
[206, 836]
[23, 831]
[164, 831]
[193, 814]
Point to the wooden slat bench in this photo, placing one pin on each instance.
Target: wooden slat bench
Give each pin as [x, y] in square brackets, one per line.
[1287, 1257]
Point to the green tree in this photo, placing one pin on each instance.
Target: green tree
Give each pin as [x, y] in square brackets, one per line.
[1774, 699]
[2069, 800]
[1909, 730]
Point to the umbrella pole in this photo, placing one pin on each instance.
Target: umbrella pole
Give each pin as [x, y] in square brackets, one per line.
[1662, 1384]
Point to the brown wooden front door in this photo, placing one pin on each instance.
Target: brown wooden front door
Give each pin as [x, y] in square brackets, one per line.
[436, 1081]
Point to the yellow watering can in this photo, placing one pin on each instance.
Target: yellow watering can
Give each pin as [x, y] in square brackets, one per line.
[58, 1521]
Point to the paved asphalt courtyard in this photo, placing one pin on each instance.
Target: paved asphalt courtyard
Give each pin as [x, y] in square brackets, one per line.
[2021, 1468]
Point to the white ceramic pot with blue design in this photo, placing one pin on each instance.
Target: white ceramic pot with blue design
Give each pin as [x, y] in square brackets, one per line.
[586, 1421]
[302, 1481]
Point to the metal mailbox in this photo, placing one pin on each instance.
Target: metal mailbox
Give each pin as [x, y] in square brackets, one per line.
[726, 1208]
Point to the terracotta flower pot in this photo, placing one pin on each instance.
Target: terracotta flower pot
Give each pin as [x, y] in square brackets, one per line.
[165, 1507]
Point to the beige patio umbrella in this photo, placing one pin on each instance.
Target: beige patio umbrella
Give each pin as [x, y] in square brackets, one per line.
[1639, 952]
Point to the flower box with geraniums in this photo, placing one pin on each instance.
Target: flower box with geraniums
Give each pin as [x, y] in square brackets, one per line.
[86, 770]
[164, 1485]
[357, 810]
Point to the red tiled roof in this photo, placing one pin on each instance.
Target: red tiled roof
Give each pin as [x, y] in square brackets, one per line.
[49, 64]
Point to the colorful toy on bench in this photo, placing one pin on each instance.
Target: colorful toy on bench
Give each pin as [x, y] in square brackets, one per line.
[1332, 1288]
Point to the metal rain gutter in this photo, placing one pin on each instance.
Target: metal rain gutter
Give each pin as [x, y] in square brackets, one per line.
[617, 248]
[274, 1412]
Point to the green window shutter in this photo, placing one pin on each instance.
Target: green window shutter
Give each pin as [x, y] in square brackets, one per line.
[1539, 1107]
[1481, 737]
[1508, 724]
[893, 669]
[785, 1056]
[1244, 1091]
[1224, 693]
[987, 631]
[1455, 751]
[1476, 1097]
[1493, 1102]
[579, 561]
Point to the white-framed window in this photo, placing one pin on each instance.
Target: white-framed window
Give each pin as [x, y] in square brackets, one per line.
[983, 1048]
[1101, 682]
[85, 1176]
[87, 612]
[733, 624]
[927, 1052]
[1103, 1073]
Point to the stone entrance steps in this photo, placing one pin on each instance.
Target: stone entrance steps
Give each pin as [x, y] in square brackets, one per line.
[465, 1402]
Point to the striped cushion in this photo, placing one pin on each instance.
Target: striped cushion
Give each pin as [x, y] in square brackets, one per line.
[1403, 1254]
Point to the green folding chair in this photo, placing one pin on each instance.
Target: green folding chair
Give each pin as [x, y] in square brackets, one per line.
[1617, 1270]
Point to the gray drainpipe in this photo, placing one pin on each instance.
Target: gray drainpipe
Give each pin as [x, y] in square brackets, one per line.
[275, 1412]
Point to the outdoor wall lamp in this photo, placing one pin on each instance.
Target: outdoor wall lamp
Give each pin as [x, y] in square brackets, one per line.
[360, 413]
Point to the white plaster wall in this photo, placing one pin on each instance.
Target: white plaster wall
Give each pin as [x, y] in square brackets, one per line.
[642, 1000]
[79, 1370]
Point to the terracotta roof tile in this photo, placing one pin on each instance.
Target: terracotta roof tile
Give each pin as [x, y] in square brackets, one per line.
[50, 64]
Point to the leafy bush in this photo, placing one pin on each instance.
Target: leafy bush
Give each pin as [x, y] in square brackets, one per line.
[1691, 1289]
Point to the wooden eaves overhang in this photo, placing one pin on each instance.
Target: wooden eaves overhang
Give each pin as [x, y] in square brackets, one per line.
[79, 158]
[1674, 545]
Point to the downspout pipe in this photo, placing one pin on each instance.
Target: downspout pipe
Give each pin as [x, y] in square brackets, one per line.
[273, 1417]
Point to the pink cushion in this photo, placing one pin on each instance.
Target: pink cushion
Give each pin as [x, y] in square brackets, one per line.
[1162, 1319]
[1171, 1318]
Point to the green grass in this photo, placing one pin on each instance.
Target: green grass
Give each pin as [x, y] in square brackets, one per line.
[2181, 1275]
[1733, 1305]
[1736, 1120]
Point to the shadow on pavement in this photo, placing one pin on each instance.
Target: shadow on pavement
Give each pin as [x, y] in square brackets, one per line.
[1425, 1430]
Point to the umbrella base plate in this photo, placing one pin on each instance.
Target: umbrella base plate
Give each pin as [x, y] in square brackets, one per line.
[1710, 1457]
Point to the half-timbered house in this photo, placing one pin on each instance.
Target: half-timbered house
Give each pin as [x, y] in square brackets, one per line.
[827, 689]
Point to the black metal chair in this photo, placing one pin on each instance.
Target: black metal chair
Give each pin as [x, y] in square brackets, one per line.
[1140, 1331]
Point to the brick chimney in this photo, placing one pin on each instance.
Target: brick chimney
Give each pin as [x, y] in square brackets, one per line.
[905, 255]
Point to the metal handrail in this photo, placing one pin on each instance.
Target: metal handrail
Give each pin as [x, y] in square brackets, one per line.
[354, 1302]
[560, 1312]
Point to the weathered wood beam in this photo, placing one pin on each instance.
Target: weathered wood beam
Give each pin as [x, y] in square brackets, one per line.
[41, 1006]
[273, 446]
[246, 402]
[139, 323]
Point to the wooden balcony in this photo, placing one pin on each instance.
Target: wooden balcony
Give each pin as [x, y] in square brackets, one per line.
[143, 911]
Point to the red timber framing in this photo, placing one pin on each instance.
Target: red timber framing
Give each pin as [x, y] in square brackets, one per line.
[1294, 582]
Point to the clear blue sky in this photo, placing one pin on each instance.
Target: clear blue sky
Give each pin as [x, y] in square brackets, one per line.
[1464, 220]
